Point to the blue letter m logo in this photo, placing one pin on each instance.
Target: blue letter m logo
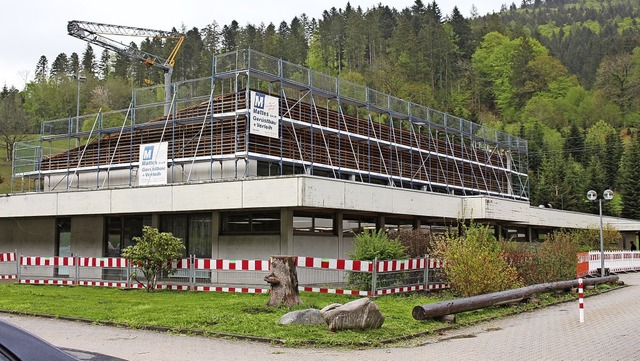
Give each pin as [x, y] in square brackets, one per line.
[259, 101]
[147, 154]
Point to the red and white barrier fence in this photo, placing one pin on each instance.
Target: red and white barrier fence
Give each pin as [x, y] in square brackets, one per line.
[115, 272]
[615, 261]
[8, 267]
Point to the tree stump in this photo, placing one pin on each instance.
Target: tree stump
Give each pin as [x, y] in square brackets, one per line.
[283, 281]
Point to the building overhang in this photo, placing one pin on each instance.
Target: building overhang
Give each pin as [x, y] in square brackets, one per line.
[299, 191]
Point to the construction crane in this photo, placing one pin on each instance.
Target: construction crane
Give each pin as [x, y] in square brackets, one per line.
[94, 33]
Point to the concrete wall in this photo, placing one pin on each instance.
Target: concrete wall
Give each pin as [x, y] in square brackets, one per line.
[87, 236]
[249, 246]
[34, 236]
[324, 246]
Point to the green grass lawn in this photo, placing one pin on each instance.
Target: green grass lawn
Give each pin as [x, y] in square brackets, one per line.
[232, 313]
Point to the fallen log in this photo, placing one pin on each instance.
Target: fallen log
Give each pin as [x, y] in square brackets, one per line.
[444, 308]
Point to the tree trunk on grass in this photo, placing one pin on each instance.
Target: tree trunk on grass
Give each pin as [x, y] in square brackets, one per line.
[283, 281]
[436, 310]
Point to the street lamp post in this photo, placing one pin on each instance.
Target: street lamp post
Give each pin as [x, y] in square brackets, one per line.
[80, 79]
[593, 196]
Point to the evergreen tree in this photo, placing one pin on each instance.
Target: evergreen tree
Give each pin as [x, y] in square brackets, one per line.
[42, 69]
[59, 67]
[89, 62]
[74, 64]
[611, 159]
[211, 38]
[105, 64]
[230, 36]
[574, 143]
[628, 181]
[462, 31]
[121, 66]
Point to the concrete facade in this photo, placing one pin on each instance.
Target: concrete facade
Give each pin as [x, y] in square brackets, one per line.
[28, 221]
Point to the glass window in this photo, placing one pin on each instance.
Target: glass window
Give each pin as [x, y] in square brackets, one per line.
[199, 241]
[308, 223]
[352, 224]
[392, 224]
[263, 222]
[121, 231]
[193, 229]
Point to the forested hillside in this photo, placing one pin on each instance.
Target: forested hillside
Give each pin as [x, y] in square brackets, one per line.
[564, 74]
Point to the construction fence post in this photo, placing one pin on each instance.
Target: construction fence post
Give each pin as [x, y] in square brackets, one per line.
[374, 276]
[426, 272]
[76, 262]
[18, 268]
[192, 271]
[128, 274]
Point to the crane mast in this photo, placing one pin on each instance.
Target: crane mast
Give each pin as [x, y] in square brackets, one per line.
[94, 33]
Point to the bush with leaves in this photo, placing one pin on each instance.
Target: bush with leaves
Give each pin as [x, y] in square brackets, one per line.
[473, 263]
[552, 260]
[556, 258]
[370, 245]
[153, 254]
[589, 239]
[416, 242]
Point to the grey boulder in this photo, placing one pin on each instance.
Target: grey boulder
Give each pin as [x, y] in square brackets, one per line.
[360, 314]
[303, 317]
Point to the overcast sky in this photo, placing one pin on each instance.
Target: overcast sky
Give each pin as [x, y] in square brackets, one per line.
[31, 28]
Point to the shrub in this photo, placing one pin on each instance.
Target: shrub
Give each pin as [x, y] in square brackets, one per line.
[556, 258]
[370, 245]
[589, 239]
[153, 253]
[474, 264]
[552, 260]
[417, 243]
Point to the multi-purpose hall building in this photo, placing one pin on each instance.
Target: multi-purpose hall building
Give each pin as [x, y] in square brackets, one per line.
[264, 158]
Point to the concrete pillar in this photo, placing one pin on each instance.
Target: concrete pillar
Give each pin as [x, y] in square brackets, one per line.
[155, 220]
[530, 234]
[215, 234]
[286, 231]
[498, 231]
[339, 216]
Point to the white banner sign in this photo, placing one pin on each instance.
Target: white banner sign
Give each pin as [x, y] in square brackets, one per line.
[153, 164]
[264, 115]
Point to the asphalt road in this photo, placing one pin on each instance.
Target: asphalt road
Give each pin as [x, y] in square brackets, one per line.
[611, 331]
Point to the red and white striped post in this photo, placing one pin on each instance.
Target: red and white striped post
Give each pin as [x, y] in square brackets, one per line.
[581, 299]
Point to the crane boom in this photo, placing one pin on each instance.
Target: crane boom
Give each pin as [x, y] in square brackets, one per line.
[94, 33]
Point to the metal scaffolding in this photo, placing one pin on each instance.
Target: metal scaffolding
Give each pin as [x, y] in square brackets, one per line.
[326, 127]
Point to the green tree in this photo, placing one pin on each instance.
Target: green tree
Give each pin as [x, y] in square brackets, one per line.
[42, 69]
[104, 66]
[153, 254]
[59, 67]
[14, 123]
[628, 181]
[89, 61]
[614, 78]
[74, 64]
[574, 143]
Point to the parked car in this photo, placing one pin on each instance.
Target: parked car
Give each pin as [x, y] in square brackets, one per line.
[17, 344]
